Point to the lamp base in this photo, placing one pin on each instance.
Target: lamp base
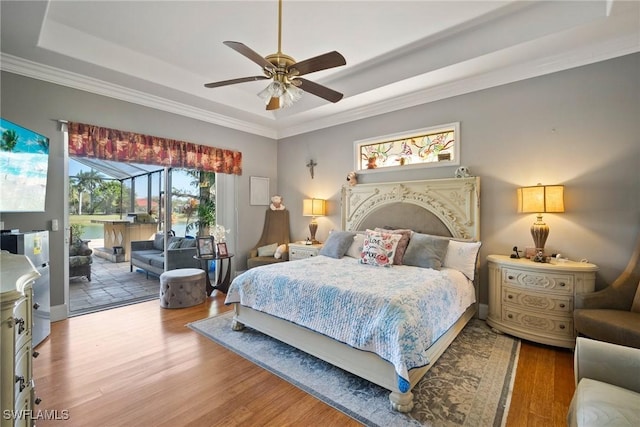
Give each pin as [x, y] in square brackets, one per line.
[313, 227]
[539, 232]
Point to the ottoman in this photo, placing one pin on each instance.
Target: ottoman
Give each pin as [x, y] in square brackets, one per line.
[184, 287]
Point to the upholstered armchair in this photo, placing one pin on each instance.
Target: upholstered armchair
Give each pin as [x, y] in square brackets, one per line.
[607, 385]
[613, 314]
[80, 259]
[274, 234]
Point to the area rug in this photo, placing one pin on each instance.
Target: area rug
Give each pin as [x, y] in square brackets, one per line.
[470, 385]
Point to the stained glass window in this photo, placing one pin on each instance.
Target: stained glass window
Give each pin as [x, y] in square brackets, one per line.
[434, 146]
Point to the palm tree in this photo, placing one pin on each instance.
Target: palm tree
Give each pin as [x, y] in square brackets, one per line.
[9, 140]
[44, 144]
[86, 181]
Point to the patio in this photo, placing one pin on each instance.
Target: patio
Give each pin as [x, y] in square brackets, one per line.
[112, 285]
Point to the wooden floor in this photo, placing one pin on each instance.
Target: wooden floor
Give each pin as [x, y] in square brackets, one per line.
[139, 365]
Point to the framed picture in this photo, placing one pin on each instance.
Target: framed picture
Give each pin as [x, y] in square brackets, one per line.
[204, 247]
[222, 250]
[259, 190]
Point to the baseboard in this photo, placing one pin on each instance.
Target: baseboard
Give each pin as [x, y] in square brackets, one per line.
[59, 312]
[483, 311]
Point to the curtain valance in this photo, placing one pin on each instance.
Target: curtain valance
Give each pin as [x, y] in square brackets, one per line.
[120, 146]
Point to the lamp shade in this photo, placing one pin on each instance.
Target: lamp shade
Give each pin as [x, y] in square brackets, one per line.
[313, 207]
[541, 199]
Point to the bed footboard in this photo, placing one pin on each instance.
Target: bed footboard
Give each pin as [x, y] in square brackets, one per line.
[361, 363]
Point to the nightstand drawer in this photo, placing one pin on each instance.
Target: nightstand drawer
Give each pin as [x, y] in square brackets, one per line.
[538, 321]
[537, 301]
[532, 280]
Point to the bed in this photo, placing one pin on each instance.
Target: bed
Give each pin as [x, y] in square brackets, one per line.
[342, 295]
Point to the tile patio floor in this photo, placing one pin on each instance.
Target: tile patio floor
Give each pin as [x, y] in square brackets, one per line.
[112, 285]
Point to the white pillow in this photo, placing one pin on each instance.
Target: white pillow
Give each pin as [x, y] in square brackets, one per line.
[281, 249]
[355, 250]
[268, 250]
[462, 256]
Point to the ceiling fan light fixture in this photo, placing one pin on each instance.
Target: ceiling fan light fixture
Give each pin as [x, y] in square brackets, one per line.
[290, 95]
[275, 89]
[287, 94]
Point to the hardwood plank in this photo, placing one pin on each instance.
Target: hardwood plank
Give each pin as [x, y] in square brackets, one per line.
[543, 386]
[141, 362]
[141, 365]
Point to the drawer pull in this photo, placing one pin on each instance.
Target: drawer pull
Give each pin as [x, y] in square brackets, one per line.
[20, 323]
[562, 306]
[510, 316]
[562, 326]
[510, 296]
[562, 284]
[511, 277]
[20, 379]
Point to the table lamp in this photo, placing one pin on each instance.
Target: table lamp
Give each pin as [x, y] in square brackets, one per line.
[313, 208]
[540, 199]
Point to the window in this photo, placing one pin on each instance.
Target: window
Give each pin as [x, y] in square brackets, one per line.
[428, 147]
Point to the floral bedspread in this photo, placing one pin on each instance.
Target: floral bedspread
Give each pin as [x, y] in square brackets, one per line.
[395, 312]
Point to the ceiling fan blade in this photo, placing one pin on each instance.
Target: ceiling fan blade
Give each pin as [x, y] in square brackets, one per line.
[245, 50]
[319, 90]
[317, 63]
[234, 81]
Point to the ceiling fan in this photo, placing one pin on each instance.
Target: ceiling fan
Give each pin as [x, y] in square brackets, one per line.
[287, 85]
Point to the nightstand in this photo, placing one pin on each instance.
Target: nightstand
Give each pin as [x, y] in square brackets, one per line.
[301, 250]
[534, 300]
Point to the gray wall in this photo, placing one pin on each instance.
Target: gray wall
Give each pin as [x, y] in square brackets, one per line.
[580, 128]
[36, 105]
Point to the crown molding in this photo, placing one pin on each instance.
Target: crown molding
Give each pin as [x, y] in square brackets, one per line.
[27, 68]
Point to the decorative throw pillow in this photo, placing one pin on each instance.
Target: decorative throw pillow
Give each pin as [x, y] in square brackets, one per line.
[355, 250]
[426, 251]
[462, 256]
[337, 244]
[158, 242]
[281, 249]
[268, 250]
[379, 248]
[188, 243]
[402, 244]
[175, 244]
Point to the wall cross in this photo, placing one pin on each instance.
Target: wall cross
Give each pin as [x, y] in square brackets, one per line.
[311, 165]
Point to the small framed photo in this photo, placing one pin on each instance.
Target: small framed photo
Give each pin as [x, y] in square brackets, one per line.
[204, 247]
[222, 250]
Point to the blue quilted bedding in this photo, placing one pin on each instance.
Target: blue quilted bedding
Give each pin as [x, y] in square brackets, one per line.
[395, 312]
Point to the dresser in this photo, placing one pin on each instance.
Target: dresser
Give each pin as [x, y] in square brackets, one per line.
[534, 300]
[17, 275]
[302, 250]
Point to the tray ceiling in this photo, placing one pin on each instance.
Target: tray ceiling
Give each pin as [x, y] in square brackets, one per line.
[399, 53]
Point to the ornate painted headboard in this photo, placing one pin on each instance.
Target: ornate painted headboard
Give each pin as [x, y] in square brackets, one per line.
[447, 207]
